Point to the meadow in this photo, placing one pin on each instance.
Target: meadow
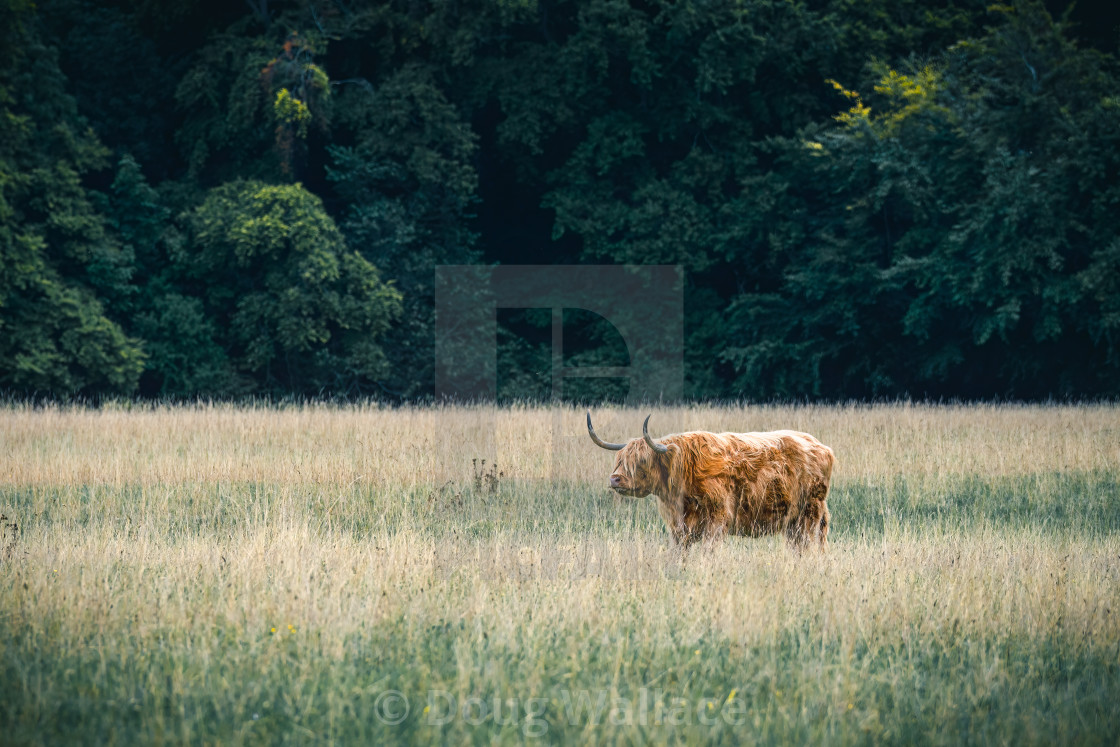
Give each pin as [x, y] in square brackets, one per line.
[215, 574]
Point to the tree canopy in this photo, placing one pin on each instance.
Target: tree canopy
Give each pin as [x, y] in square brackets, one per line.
[867, 198]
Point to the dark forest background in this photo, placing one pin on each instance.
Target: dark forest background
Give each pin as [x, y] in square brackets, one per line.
[868, 198]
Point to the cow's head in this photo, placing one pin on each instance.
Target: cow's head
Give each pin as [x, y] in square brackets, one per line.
[641, 465]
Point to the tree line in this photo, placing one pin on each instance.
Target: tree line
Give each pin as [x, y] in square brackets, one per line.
[868, 198]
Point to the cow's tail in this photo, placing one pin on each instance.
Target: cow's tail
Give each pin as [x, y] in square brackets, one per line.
[826, 472]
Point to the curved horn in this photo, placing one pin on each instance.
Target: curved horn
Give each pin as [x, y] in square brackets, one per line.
[598, 441]
[659, 448]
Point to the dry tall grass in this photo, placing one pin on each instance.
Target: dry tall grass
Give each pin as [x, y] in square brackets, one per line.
[409, 446]
[974, 556]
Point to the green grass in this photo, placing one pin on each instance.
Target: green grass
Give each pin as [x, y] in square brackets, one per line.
[1083, 503]
[952, 608]
[220, 684]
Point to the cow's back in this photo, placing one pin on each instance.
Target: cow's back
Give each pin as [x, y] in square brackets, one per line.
[779, 475]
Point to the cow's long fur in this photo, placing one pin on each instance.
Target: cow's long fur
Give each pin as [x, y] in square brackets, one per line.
[711, 484]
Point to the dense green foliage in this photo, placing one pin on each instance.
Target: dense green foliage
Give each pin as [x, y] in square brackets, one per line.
[868, 198]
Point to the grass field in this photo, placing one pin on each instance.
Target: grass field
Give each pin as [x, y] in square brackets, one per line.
[356, 575]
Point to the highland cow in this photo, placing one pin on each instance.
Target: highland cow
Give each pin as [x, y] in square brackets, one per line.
[712, 484]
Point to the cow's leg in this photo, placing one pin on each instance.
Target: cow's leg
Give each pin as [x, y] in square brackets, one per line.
[825, 516]
[682, 539]
[795, 535]
[672, 511]
[681, 536]
[715, 512]
[718, 521]
[811, 524]
[693, 520]
[818, 494]
[805, 529]
[714, 532]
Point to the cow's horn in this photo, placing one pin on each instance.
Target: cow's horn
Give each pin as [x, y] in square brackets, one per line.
[598, 441]
[659, 448]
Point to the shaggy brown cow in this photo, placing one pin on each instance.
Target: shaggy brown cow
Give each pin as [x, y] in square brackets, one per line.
[710, 484]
